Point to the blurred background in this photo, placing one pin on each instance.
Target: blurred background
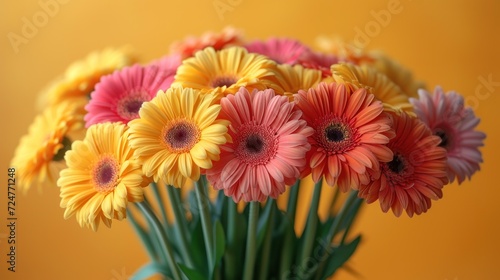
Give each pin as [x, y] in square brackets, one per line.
[454, 44]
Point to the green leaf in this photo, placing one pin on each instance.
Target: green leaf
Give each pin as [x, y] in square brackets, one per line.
[264, 222]
[339, 256]
[219, 241]
[149, 270]
[191, 274]
[198, 246]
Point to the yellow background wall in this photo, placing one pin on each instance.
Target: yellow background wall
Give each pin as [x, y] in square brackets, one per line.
[450, 43]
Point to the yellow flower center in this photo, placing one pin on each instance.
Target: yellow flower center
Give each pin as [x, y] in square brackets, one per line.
[104, 174]
[180, 135]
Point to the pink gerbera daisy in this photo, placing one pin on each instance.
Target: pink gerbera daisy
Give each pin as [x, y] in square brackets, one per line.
[350, 133]
[168, 67]
[281, 50]
[319, 61]
[119, 96]
[447, 117]
[416, 173]
[268, 148]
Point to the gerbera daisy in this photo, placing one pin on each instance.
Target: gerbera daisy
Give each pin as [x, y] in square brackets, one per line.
[344, 51]
[290, 79]
[446, 116]
[319, 61]
[227, 38]
[119, 96]
[375, 82]
[101, 178]
[225, 71]
[281, 50]
[168, 67]
[177, 134]
[39, 155]
[416, 173]
[268, 148]
[350, 133]
[80, 78]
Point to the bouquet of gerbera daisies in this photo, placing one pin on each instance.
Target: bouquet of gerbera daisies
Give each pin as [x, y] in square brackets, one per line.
[204, 151]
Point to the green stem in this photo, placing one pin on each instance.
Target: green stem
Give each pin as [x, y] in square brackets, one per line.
[339, 220]
[206, 221]
[142, 234]
[251, 241]
[166, 250]
[288, 248]
[230, 258]
[266, 249]
[158, 198]
[181, 227]
[312, 223]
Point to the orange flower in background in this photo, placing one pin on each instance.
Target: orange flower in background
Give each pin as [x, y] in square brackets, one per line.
[189, 46]
[350, 134]
[416, 173]
[177, 134]
[101, 178]
[268, 148]
[40, 153]
[225, 71]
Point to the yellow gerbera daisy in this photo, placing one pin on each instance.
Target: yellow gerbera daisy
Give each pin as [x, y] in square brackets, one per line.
[225, 71]
[80, 78]
[177, 134]
[39, 155]
[290, 79]
[101, 178]
[375, 82]
[345, 51]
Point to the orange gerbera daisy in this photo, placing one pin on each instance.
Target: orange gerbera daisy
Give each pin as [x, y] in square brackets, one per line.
[416, 173]
[351, 131]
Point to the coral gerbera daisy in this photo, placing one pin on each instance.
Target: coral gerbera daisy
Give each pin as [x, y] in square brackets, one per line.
[350, 133]
[375, 82]
[281, 50]
[39, 155]
[446, 116]
[189, 46]
[101, 178]
[177, 134]
[416, 173]
[268, 148]
[119, 96]
[225, 71]
[80, 78]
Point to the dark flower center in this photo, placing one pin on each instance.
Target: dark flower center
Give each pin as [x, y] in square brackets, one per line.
[182, 136]
[133, 106]
[254, 144]
[334, 133]
[397, 164]
[105, 174]
[226, 81]
[444, 138]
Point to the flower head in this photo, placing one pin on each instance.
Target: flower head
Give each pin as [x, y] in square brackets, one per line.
[446, 116]
[177, 134]
[350, 133]
[39, 155]
[281, 50]
[80, 78]
[119, 96]
[290, 79]
[224, 71]
[168, 67]
[101, 178]
[415, 174]
[227, 38]
[375, 82]
[268, 148]
[319, 61]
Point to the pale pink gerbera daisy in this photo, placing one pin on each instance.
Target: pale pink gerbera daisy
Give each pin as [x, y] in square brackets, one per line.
[268, 149]
[447, 117]
[281, 50]
[119, 96]
[350, 133]
[416, 173]
[168, 67]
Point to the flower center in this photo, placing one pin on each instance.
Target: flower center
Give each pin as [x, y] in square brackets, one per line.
[105, 174]
[255, 144]
[334, 135]
[397, 164]
[180, 136]
[445, 140]
[62, 151]
[226, 81]
[128, 107]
